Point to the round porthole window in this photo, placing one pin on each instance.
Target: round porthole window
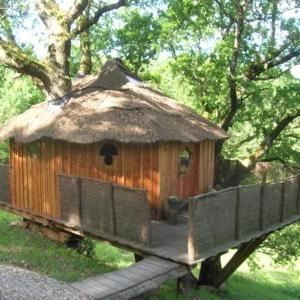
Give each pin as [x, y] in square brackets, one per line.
[33, 150]
[185, 157]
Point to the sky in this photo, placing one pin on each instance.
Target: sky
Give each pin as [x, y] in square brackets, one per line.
[39, 41]
[295, 71]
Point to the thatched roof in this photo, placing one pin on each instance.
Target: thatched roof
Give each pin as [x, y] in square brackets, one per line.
[113, 105]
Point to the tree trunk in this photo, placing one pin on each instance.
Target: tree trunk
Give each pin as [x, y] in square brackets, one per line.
[53, 73]
[58, 60]
[85, 66]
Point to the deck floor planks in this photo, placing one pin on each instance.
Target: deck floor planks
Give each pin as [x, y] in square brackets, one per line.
[118, 278]
[91, 290]
[132, 281]
[170, 241]
[105, 281]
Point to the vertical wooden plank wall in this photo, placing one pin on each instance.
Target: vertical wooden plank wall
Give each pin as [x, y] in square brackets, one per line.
[154, 167]
[197, 178]
[34, 180]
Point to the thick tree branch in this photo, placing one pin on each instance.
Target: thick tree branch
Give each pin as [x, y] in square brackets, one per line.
[59, 47]
[271, 77]
[77, 9]
[51, 14]
[232, 82]
[253, 93]
[100, 11]
[273, 135]
[270, 159]
[85, 66]
[246, 140]
[13, 57]
[260, 67]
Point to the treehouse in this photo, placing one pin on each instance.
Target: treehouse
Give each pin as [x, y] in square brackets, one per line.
[118, 158]
[114, 128]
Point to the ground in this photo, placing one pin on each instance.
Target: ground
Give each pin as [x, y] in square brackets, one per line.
[31, 251]
[20, 284]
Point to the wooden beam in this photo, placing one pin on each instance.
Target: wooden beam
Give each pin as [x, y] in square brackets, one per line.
[51, 233]
[244, 251]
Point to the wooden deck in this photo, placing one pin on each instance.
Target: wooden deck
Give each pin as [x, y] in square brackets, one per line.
[130, 282]
[171, 241]
[168, 241]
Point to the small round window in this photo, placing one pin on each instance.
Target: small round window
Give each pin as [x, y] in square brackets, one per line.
[108, 151]
[33, 150]
[185, 160]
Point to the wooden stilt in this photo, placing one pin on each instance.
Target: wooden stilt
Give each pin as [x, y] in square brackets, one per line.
[138, 257]
[210, 268]
[186, 283]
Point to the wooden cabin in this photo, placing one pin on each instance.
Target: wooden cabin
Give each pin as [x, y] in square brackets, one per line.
[114, 128]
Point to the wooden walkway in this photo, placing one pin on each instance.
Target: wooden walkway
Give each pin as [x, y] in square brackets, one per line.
[133, 281]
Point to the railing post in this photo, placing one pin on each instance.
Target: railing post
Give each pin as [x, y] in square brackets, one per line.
[78, 182]
[262, 207]
[191, 245]
[238, 231]
[283, 202]
[114, 223]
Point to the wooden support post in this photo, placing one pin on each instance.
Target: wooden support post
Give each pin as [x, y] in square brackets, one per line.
[244, 251]
[186, 283]
[138, 257]
[210, 268]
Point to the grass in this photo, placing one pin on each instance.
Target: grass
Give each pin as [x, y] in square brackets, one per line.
[32, 251]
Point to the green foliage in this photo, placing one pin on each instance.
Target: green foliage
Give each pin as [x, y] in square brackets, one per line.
[283, 246]
[134, 37]
[16, 95]
[161, 76]
[200, 38]
[83, 245]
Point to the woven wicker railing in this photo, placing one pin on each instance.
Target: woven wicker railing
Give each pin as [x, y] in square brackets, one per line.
[227, 218]
[105, 209]
[4, 184]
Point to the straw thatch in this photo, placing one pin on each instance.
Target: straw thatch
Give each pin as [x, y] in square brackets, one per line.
[113, 105]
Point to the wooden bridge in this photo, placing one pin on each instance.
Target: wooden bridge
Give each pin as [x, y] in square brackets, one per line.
[133, 281]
